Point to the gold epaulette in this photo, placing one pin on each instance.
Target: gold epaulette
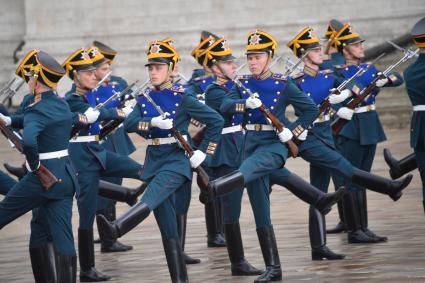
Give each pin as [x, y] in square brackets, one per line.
[244, 77]
[298, 75]
[178, 88]
[327, 71]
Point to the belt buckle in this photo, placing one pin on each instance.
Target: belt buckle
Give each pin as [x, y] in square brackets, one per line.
[369, 108]
[258, 127]
[321, 118]
[156, 141]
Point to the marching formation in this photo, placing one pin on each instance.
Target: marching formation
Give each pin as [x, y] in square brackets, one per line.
[77, 145]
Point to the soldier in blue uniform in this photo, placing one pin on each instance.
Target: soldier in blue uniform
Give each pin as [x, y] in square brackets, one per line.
[46, 117]
[6, 183]
[118, 141]
[358, 139]
[91, 159]
[316, 143]
[198, 85]
[264, 149]
[167, 167]
[334, 57]
[414, 76]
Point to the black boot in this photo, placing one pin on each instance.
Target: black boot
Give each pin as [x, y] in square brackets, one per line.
[175, 261]
[352, 221]
[130, 219]
[340, 227]
[43, 263]
[221, 186]
[400, 167]
[361, 199]
[19, 172]
[270, 254]
[120, 193]
[317, 231]
[310, 194]
[215, 237]
[240, 266]
[392, 188]
[88, 272]
[181, 229]
[106, 245]
[66, 267]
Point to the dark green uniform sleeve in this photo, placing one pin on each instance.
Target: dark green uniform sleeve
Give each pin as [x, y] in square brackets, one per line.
[212, 120]
[33, 125]
[136, 123]
[232, 102]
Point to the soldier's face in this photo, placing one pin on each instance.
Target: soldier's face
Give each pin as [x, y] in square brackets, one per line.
[102, 70]
[356, 50]
[315, 56]
[258, 63]
[158, 74]
[86, 79]
[225, 69]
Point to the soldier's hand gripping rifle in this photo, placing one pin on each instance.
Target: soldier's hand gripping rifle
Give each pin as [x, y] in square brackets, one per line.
[47, 179]
[339, 123]
[10, 89]
[202, 177]
[325, 103]
[129, 93]
[116, 95]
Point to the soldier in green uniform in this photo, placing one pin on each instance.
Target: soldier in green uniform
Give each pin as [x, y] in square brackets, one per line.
[167, 167]
[91, 159]
[46, 124]
[358, 139]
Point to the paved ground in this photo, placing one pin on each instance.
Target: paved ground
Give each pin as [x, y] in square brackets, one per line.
[399, 260]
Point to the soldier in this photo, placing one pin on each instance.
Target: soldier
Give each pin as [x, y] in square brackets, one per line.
[6, 183]
[91, 159]
[118, 141]
[358, 139]
[332, 55]
[168, 167]
[46, 117]
[414, 76]
[316, 143]
[264, 149]
[200, 80]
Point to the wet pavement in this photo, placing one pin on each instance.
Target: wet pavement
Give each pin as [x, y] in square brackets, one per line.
[401, 259]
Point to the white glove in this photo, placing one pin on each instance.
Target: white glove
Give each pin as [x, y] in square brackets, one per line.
[91, 115]
[345, 113]
[127, 110]
[338, 98]
[253, 102]
[197, 158]
[29, 168]
[131, 102]
[303, 135]
[382, 82]
[285, 135]
[6, 119]
[162, 123]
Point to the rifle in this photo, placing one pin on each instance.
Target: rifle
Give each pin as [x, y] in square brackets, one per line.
[47, 179]
[294, 66]
[110, 126]
[339, 123]
[11, 87]
[325, 103]
[102, 80]
[202, 177]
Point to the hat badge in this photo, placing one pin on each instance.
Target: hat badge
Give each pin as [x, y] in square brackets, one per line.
[95, 51]
[155, 48]
[225, 45]
[84, 55]
[254, 39]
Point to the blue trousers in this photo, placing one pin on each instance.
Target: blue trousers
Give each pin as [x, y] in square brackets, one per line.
[360, 156]
[6, 183]
[420, 159]
[116, 166]
[160, 197]
[52, 211]
[255, 169]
